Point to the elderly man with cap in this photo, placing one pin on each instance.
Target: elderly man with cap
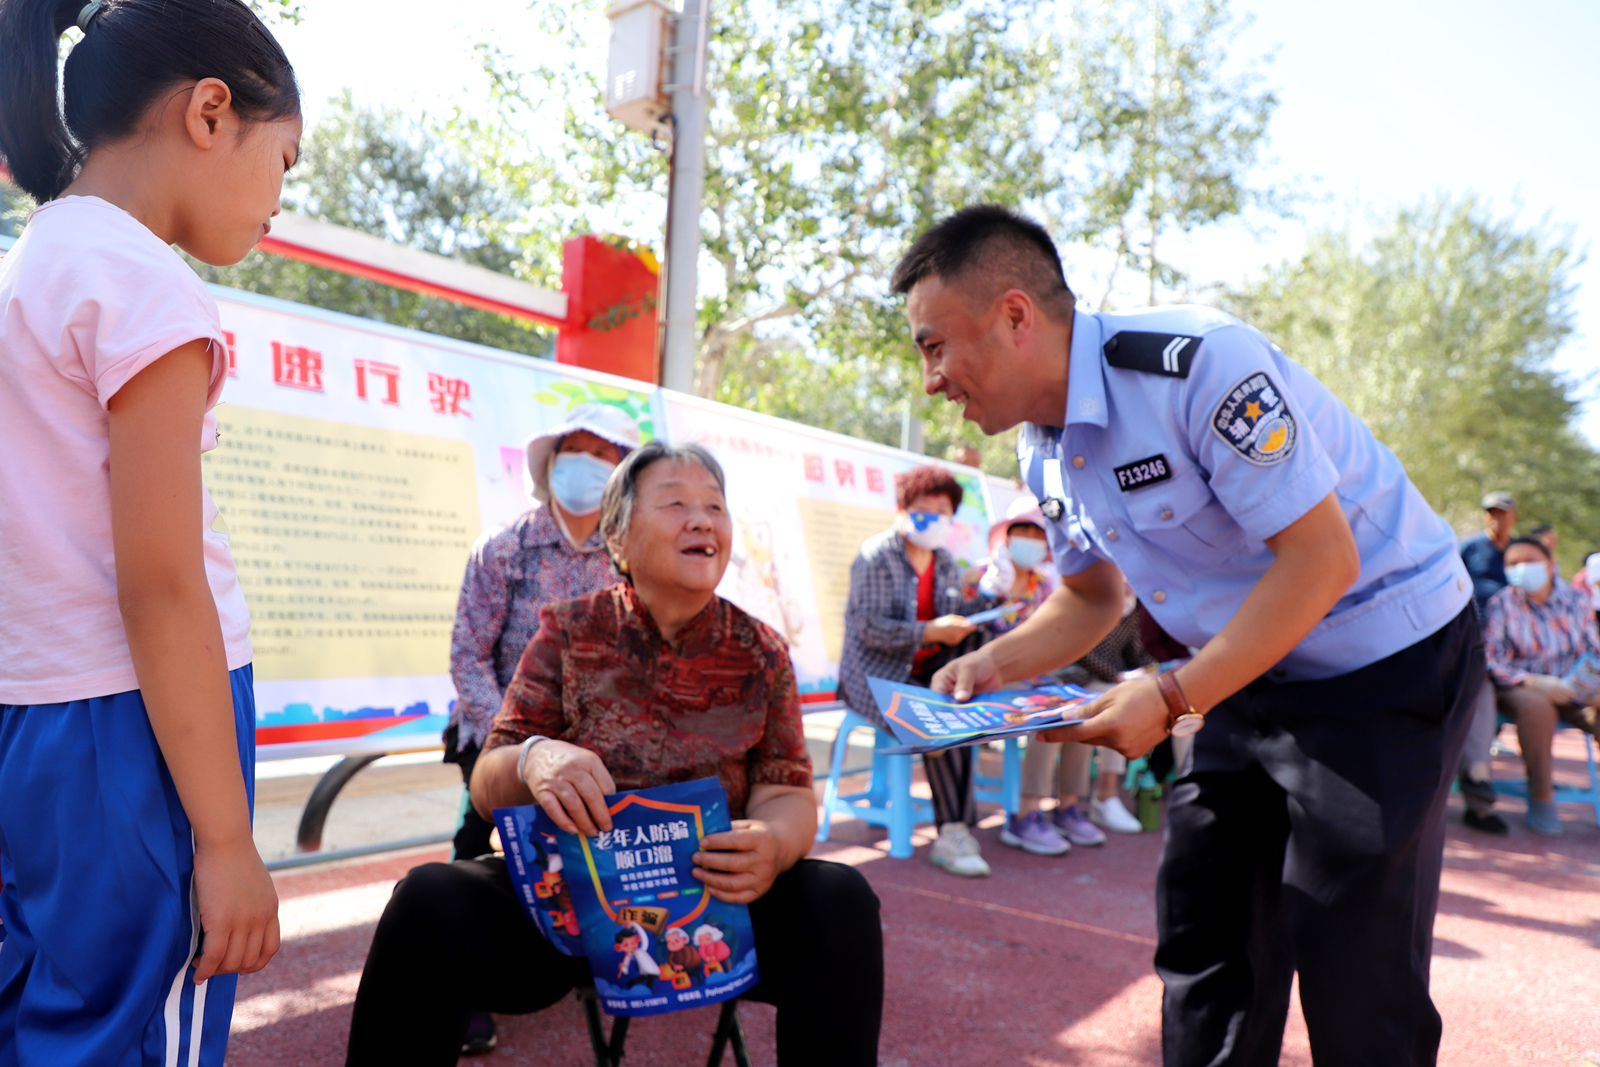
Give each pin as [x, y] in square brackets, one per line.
[1485, 557]
[1336, 660]
[551, 553]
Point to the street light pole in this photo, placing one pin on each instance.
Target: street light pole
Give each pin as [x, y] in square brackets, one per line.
[686, 188]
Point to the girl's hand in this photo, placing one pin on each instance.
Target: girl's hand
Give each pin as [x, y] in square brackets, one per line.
[238, 910]
[744, 864]
[570, 783]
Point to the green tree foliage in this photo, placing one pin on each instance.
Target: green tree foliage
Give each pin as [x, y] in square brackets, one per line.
[14, 208]
[1439, 332]
[1164, 129]
[839, 129]
[274, 11]
[836, 131]
[385, 174]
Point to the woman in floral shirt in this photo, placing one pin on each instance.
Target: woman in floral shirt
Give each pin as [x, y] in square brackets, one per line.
[653, 681]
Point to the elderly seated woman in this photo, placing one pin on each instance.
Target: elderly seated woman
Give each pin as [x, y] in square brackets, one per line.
[1535, 630]
[652, 681]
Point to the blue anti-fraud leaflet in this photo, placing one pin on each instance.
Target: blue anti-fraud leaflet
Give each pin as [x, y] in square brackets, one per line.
[923, 720]
[656, 941]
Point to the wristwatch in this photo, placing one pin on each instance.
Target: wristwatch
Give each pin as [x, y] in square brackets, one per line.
[1182, 719]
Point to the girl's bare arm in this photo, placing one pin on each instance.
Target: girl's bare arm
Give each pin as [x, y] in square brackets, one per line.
[178, 656]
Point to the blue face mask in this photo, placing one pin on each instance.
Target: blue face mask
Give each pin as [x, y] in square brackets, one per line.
[577, 480]
[1528, 577]
[929, 529]
[1026, 552]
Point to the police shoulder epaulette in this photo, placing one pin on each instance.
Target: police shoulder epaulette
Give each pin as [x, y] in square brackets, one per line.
[1152, 353]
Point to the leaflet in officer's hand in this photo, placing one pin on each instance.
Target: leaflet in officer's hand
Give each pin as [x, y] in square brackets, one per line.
[925, 721]
[655, 939]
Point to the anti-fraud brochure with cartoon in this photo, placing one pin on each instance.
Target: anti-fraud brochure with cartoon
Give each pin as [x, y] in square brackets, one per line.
[655, 939]
[925, 721]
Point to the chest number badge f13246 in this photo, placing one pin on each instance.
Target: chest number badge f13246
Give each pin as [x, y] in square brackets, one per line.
[1142, 472]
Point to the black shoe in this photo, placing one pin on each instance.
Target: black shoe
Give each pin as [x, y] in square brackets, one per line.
[1473, 789]
[480, 1034]
[1488, 822]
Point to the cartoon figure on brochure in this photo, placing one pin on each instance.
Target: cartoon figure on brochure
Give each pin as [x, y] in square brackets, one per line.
[1036, 706]
[555, 899]
[638, 966]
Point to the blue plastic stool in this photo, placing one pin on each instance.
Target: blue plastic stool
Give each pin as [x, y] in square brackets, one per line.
[1564, 794]
[1006, 791]
[887, 800]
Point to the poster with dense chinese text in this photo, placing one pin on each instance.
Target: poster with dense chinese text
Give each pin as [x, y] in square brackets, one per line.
[356, 465]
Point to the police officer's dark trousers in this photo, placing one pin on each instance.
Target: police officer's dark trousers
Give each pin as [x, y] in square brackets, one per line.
[1308, 835]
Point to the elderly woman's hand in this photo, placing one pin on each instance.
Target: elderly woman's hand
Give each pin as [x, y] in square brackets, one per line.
[1558, 691]
[570, 784]
[739, 866]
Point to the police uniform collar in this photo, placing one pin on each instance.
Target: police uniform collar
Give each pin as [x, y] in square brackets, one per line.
[1086, 377]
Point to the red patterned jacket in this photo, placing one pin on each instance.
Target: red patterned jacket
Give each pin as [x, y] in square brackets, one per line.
[718, 700]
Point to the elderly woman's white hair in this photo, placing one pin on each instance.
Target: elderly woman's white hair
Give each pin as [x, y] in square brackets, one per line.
[616, 506]
[707, 928]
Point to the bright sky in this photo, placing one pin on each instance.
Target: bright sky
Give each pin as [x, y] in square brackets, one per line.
[1382, 103]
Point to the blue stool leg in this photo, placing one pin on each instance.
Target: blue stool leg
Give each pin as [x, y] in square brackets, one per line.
[1011, 783]
[879, 791]
[1594, 779]
[830, 792]
[900, 817]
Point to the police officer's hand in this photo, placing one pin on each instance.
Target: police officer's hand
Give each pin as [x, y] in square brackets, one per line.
[947, 630]
[1132, 718]
[973, 673]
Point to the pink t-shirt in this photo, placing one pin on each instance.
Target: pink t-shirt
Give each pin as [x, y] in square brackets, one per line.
[88, 298]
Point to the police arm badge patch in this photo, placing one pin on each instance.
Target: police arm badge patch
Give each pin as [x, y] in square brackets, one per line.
[1255, 420]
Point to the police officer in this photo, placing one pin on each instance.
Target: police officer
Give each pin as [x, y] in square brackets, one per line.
[1262, 524]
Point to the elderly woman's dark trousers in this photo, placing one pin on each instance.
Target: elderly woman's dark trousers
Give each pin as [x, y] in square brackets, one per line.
[453, 940]
[1308, 836]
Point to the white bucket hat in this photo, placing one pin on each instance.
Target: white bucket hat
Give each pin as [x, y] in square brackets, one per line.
[602, 420]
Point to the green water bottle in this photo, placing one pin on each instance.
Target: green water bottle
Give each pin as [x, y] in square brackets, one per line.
[1147, 802]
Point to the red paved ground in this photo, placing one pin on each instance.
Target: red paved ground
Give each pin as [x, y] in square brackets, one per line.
[1045, 963]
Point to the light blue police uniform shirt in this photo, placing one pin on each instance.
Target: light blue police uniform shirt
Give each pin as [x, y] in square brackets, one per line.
[1179, 472]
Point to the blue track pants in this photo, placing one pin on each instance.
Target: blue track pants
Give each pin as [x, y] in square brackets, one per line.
[97, 859]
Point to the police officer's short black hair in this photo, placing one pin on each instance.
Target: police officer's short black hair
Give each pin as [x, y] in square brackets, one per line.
[992, 245]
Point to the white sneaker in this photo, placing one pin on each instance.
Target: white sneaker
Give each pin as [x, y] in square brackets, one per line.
[956, 851]
[1110, 814]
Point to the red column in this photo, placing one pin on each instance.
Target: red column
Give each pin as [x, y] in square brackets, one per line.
[611, 309]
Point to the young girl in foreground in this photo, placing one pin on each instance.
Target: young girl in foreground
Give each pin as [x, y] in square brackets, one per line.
[133, 893]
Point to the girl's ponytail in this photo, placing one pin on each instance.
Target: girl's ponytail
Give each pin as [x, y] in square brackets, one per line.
[33, 139]
[131, 52]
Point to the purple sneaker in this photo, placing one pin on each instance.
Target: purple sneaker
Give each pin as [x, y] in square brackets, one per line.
[1072, 825]
[1032, 833]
